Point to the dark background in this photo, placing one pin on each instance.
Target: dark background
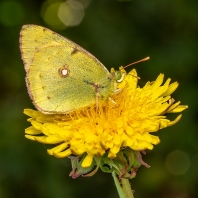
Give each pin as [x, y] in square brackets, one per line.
[117, 33]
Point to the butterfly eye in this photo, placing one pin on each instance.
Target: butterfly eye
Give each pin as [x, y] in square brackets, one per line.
[63, 71]
[119, 76]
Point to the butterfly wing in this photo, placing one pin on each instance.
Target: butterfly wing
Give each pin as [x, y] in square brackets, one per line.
[46, 60]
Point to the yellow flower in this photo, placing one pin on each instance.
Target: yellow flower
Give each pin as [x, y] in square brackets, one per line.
[126, 120]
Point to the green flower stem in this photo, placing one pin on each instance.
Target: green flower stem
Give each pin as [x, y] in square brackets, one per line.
[123, 187]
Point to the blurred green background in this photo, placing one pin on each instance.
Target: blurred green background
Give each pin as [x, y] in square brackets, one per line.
[117, 33]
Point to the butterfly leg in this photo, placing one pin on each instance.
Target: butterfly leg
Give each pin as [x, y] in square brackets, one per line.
[97, 101]
[96, 86]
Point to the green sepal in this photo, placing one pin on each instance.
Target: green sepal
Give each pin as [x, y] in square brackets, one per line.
[125, 164]
[78, 170]
[107, 165]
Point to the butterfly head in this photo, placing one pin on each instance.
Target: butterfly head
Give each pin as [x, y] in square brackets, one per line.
[118, 75]
[121, 73]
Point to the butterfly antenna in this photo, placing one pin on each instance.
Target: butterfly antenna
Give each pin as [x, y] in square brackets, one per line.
[144, 59]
